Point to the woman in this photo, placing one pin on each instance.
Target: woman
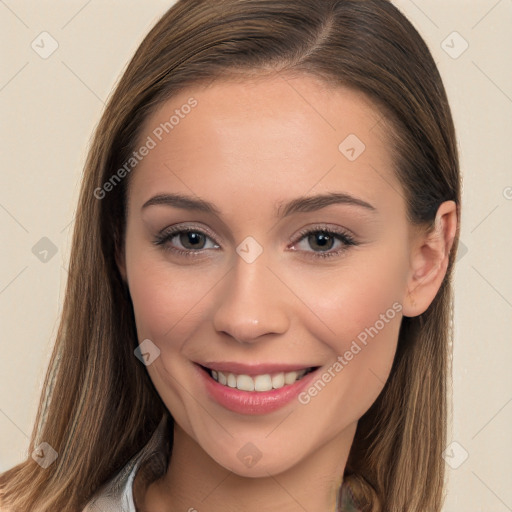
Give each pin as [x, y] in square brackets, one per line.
[257, 314]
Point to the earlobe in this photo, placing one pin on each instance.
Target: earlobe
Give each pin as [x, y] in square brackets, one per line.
[429, 260]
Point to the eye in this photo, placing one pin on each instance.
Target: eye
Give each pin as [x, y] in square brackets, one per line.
[322, 241]
[191, 239]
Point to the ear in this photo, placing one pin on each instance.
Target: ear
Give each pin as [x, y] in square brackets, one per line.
[429, 260]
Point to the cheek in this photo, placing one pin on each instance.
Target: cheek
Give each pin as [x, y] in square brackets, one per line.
[353, 301]
[356, 313]
[166, 300]
[170, 306]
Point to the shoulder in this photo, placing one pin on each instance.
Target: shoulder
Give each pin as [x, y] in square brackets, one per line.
[113, 496]
[117, 495]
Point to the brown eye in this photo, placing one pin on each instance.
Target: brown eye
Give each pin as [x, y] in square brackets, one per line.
[192, 239]
[185, 241]
[322, 241]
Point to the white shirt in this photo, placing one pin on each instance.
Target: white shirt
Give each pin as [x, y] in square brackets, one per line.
[117, 494]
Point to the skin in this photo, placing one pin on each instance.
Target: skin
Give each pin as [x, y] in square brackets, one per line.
[247, 147]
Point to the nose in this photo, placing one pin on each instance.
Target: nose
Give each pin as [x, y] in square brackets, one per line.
[252, 303]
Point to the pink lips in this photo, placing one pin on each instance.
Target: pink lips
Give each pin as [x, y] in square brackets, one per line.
[252, 402]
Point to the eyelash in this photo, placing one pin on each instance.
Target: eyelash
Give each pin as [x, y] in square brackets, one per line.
[344, 237]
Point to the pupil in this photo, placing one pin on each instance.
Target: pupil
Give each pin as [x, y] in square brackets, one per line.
[324, 240]
[191, 238]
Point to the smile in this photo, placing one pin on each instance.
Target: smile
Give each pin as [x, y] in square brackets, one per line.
[258, 383]
[256, 389]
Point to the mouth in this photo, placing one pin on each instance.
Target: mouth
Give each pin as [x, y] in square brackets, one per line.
[254, 389]
[258, 383]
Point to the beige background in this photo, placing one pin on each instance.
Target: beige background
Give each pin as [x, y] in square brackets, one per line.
[49, 107]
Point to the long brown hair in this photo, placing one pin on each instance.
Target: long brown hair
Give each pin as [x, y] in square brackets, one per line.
[98, 406]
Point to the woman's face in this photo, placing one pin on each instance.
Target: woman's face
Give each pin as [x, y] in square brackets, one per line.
[291, 252]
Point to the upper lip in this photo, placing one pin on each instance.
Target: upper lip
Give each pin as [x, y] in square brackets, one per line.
[253, 369]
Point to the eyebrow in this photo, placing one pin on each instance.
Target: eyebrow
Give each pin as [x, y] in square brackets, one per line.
[298, 205]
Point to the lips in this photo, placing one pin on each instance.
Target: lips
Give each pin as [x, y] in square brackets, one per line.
[254, 389]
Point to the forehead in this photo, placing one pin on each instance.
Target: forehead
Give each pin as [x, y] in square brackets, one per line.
[275, 136]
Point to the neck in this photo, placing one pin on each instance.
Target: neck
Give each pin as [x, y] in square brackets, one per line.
[196, 482]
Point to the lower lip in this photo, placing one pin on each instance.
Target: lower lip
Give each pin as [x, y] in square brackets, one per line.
[254, 402]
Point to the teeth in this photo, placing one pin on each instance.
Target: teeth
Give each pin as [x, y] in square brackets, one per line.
[278, 381]
[245, 383]
[290, 377]
[231, 381]
[264, 382]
